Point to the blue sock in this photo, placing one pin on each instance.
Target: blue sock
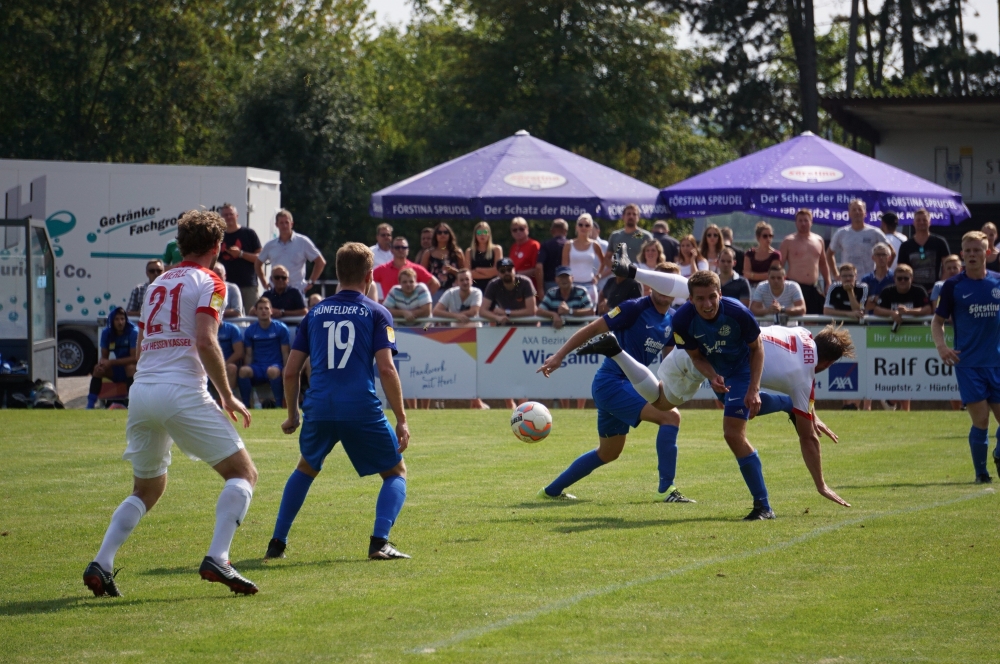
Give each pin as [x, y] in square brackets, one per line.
[584, 465]
[774, 403]
[666, 455]
[390, 500]
[296, 489]
[246, 390]
[91, 401]
[996, 450]
[278, 390]
[753, 475]
[979, 444]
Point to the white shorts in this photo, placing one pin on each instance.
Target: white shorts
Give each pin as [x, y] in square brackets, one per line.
[679, 377]
[162, 414]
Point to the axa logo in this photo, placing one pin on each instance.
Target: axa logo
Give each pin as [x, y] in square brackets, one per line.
[843, 377]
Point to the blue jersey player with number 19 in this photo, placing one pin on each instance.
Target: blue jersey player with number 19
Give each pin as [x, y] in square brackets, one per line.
[642, 328]
[342, 337]
[972, 301]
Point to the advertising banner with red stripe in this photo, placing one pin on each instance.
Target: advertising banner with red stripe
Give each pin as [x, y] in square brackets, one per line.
[437, 363]
[509, 358]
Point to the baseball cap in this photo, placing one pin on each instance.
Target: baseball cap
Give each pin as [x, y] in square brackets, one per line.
[505, 262]
[563, 269]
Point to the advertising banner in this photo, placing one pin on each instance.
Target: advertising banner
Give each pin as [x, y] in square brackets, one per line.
[846, 379]
[905, 365]
[509, 357]
[437, 363]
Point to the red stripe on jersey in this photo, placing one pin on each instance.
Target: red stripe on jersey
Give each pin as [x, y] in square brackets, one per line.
[217, 282]
[808, 416]
[791, 346]
[208, 310]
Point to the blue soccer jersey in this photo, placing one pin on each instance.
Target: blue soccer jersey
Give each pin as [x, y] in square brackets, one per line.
[266, 344]
[974, 307]
[725, 341]
[341, 335]
[228, 335]
[642, 332]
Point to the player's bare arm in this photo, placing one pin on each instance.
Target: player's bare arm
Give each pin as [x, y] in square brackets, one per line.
[947, 355]
[588, 331]
[809, 442]
[294, 361]
[394, 394]
[705, 369]
[210, 353]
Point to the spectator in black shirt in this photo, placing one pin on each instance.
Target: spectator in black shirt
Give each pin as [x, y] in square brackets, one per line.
[923, 252]
[733, 285]
[671, 247]
[846, 297]
[551, 254]
[240, 247]
[285, 301]
[904, 298]
[727, 239]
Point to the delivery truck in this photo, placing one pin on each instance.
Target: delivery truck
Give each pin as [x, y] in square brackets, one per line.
[106, 220]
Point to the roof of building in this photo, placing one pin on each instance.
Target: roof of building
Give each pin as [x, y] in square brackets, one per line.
[869, 117]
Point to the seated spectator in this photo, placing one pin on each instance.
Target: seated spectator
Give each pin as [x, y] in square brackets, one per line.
[777, 296]
[616, 291]
[409, 300]
[284, 300]
[119, 354]
[461, 302]
[154, 268]
[387, 274]
[727, 239]
[314, 299]
[846, 298]
[509, 295]
[566, 299]
[757, 261]
[733, 285]
[903, 299]
[233, 306]
[650, 255]
[231, 342]
[266, 345]
[882, 277]
[950, 266]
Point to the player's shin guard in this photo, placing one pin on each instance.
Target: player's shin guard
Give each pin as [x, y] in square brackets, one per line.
[666, 455]
[584, 465]
[296, 489]
[234, 501]
[390, 501]
[774, 403]
[246, 391]
[123, 522]
[278, 390]
[979, 445]
[753, 475]
[643, 380]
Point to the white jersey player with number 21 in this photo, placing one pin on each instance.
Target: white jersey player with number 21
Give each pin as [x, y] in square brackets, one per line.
[169, 403]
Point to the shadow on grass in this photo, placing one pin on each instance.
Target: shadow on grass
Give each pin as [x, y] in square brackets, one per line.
[84, 602]
[899, 485]
[285, 563]
[548, 503]
[617, 523]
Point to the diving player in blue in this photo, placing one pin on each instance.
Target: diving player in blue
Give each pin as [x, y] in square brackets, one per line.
[266, 344]
[971, 300]
[642, 328]
[342, 337]
[723, 339]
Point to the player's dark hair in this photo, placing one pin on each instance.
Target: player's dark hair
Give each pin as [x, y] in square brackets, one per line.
[354, 262]
[199, 231]
[832, 343]
[704, 278]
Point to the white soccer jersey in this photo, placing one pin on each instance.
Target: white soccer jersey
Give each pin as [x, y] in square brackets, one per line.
[790, 365]
[168, 353]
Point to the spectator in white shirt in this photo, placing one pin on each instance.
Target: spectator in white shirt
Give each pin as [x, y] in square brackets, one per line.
[461, 302]
[383, 244]
[233, 306]
[777, 296]
[895, 239]
[292, 250]
[409, 300]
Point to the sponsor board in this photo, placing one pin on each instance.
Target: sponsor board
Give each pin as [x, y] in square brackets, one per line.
[509, 358]
[905, 365]
[438, 363]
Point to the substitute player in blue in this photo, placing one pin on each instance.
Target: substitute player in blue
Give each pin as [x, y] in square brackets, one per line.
[643, 329]
[972, 301]
[342, 337]
[723, 340]
[266, 344]
[231, 342]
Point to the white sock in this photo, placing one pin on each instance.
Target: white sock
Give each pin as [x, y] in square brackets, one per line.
[666, 283]
[643, 380]
[234, 501]
[123, 522]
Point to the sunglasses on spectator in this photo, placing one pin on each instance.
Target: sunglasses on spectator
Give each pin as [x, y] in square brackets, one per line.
[583, 225]
[715, 235]
[400, 247]
[279, 277]
[765, 235]
[442, 232]
[154, 271]
[902, 278]
[482, 231]
[519, 230]
[504, 270]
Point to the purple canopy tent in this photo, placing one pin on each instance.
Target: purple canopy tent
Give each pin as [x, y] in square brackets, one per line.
[809, 172]
[518, 176]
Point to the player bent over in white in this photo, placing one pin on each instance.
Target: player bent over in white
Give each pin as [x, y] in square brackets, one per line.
[178, 345]
[792, 358]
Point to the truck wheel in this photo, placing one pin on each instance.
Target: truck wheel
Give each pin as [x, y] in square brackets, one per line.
[76, 354]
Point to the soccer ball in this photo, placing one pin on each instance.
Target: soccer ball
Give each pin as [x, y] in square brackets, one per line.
[531, 422]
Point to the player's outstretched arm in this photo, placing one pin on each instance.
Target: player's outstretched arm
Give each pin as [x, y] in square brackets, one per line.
[393, 393]
[809, 442]
[294, 362]
[588, 331]
[210, 353]
[948, 356]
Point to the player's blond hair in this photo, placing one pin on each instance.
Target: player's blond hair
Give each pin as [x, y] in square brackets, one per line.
[199, 231]
[668, 267]
[833, 342]
[354, 262]
[704, 278]
[976, 236]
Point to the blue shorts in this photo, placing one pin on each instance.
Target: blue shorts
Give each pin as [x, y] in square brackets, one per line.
[619, 406]
[978, 384]
[738, 385]
[260, 372]
[371, 445]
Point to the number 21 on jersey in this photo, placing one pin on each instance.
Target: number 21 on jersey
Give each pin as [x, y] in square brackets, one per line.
[157, 297]
[335, 340]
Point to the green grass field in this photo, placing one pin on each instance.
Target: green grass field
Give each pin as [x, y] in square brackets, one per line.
[906, 575]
